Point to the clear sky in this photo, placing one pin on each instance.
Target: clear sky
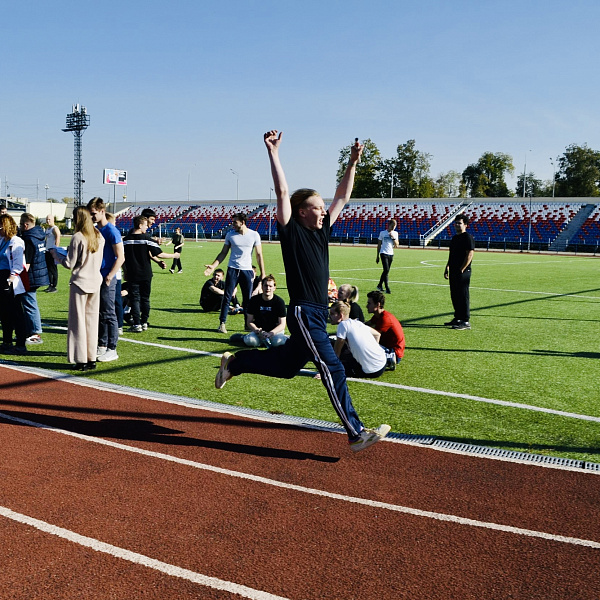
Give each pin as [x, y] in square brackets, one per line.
[181, 92]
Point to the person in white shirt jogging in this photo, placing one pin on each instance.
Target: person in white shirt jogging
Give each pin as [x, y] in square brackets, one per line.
[388, 240]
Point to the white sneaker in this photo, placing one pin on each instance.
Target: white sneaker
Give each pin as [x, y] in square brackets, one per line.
[368, 437]
[108, 356]
[101, 350]
[34, 339]
[223, 374]
[222, 328]
[144, 326]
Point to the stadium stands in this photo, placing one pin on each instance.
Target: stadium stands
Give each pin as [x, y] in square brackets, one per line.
[540, 222]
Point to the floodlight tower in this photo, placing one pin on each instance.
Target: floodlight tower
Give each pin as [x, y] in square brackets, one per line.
[77, 122]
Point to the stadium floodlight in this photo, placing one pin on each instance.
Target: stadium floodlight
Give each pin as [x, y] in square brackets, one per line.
[77, 122]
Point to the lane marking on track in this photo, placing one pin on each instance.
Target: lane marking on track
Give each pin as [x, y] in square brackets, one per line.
[398, 386]
[139, 559]
[315, 492]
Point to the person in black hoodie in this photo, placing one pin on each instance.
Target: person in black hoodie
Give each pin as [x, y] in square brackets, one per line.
[35, 263]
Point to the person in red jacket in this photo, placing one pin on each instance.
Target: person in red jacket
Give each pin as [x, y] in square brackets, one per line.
[392, 335]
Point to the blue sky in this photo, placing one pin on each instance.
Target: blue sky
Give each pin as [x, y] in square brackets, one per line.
[182, 92]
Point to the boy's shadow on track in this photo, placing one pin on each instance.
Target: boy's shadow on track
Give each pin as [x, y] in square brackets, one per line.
[142, 430]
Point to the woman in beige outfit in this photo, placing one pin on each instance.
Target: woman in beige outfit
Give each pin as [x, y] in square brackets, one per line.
[84, 258]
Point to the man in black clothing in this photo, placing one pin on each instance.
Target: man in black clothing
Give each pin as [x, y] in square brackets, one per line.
[178, 241]
[139, 249]
[458, 272]
[265, 318]
[212, 292]
[304, 227]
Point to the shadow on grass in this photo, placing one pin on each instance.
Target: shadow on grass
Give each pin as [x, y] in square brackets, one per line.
[547, 353]
[145, 430]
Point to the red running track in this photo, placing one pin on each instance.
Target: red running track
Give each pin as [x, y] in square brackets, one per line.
[108, 495]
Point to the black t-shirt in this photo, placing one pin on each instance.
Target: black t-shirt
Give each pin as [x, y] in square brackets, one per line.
[137, 247]
[266, 313]
[460, 246]
[356, 312]
[206, 292]
[177, 240]
[306, 260]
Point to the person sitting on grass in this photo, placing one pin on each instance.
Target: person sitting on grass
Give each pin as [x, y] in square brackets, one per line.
[265, 319]
[356, 344]
[392, 335]
[349, 294]
[211, 295]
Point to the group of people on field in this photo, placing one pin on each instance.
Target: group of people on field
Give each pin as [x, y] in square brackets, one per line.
[97, 252]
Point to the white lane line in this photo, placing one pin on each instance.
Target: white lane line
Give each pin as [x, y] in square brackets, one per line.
[398, 386]
[139, 559]
[541, 409]
[315, 492]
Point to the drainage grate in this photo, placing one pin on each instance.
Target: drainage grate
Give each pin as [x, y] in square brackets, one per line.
[592, 466]
[498, 453]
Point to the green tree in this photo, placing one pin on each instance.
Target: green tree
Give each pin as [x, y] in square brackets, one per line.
[367, 179]
[536, 188]
[578, 172]
[485, 178]
[67, 199]
[410, 172]
[448, 185]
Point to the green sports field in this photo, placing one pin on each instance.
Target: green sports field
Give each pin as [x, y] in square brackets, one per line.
[534, 345]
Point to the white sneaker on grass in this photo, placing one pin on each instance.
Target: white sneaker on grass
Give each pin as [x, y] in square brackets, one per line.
[368, 437]
[101, 350]
[108, 356]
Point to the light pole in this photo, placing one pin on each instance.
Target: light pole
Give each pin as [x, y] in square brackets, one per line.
[525, 175]
[270, 212]
[237, 185]
[392, 186]
[553, 176]
[46, 188]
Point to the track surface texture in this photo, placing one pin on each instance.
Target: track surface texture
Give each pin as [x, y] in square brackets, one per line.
[108, 495]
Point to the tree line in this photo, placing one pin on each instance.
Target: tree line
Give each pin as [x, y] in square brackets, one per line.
[407, 175]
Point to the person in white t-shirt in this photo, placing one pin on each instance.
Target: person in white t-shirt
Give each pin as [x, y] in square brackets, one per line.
[241, 241]
[356, 344]
[388, 240]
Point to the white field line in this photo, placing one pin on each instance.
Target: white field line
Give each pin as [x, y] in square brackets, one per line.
[397, 386]
[138, 559]
[316, 492]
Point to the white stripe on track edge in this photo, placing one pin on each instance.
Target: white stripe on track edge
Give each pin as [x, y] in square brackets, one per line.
[315, 492]
[139, 559]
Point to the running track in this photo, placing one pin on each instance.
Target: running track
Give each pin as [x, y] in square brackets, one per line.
[108, 495]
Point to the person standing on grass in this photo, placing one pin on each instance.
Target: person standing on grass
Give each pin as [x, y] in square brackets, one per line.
[52, 241]
[37, 270]
[304, 227]
[178, 241]
[139, 249]
[84, 259]
[112, 259]
[241, 241]
[388, 240]
[458, 272]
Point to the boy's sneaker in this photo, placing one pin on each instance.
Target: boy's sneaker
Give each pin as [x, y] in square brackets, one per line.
[388, 291]
[180, 271]
[34, 339]
[136, 329]
[172, 271]
[380, 288]
[222, 328]
[223, 375]
[368, 437]
[120, 331]
[462, 325]
[451, 323]
[17, 350]
[101, 350]
[108, 356]
[144, 326]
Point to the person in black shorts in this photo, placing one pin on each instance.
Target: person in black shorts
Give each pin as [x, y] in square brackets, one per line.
[458, 272]
[304, 228]
[178, 241]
